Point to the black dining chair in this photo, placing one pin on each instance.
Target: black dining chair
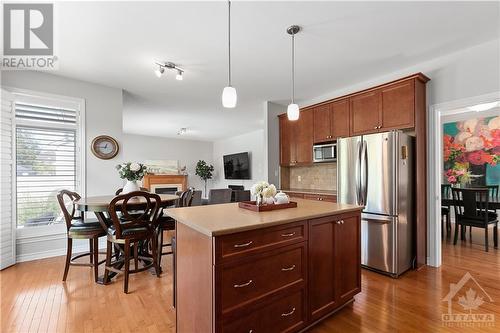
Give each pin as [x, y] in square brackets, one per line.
[77, 227]
[131, 229]
[492, 192]
[219, 196]
[471, 206]
[445, 211]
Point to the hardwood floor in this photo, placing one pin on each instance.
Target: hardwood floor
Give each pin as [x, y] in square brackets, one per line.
[34, 299]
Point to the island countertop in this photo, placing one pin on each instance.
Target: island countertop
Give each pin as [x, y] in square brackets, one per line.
[216, 220]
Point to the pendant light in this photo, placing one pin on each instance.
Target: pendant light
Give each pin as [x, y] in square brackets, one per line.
[292, 111]
[229, 96]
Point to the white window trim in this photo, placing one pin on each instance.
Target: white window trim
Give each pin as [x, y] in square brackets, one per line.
[35, 97]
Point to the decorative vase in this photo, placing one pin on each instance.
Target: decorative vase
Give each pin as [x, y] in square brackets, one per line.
[258, 200]
[269, 201]
[131, 186]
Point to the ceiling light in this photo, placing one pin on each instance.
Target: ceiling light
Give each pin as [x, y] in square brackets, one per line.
[168, 65]
[179, 76]
[484, 106]
[159, 71]
[292, 111]
[182, 131]
[229, 96]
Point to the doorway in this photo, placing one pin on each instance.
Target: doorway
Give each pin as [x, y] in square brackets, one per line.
[463, 148]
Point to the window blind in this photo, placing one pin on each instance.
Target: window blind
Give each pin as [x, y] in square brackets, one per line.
[45, 161]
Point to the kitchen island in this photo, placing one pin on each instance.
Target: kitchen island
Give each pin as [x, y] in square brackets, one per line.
[276, 271]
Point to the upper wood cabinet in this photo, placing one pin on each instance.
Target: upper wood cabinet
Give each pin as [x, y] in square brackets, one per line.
[331, 121]
[340, 118]
[398, 105]
[322, 123]
[365, 113]
[296, 140]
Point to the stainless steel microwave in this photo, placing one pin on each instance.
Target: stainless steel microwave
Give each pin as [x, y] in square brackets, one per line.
[325, 153]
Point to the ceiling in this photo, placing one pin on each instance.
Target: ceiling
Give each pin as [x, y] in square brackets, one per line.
[116, 43]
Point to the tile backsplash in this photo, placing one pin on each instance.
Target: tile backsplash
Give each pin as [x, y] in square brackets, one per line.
[315, 177]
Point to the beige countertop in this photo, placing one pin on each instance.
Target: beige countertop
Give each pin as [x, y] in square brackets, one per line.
[216, 220]
[309, 191]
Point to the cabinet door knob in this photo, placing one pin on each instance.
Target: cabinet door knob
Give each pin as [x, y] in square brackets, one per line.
[376, 127]
[243, 284]
[341, 221]
[244, 244]
[286, 269]
[286, 314]
[338, 222]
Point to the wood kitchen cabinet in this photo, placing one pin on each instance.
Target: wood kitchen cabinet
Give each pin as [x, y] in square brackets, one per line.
[296, 140]
[267, 278]
[334, 262]
[331, 121]
[365, 113]
[398, 106]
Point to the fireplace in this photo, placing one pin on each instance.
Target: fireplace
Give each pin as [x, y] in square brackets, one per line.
[165, 188]
[165, 184]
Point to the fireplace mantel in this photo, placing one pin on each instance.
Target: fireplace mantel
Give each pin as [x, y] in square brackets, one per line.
[152, 181]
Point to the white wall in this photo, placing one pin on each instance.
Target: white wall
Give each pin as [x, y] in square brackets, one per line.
[103, 116]
[254, 143]
[469, 72]
[187, 152]
[272, 125]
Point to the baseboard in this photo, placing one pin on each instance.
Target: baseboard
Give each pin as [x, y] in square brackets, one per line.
[56, 252]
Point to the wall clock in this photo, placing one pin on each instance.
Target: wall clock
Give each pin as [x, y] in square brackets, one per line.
[105, 147]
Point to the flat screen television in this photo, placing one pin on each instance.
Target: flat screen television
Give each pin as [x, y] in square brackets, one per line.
[237, 166]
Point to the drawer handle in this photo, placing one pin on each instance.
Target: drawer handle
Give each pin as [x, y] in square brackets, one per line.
[286, 269]
[243, 284]
[286, 314]
[243, 245]
[288, 235]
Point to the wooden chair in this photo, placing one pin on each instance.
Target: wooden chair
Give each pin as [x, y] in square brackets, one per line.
[166, 223]
[493, 193]
[472, 209]
[445, 211]
[120, 190]
[133, 228]
[77, 228]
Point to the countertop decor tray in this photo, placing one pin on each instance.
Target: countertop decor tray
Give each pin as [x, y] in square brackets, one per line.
[250, 205]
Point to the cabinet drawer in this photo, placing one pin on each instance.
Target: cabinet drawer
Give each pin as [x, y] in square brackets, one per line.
[283, 315]
[319, 197]
[243, 243]
[244, 282]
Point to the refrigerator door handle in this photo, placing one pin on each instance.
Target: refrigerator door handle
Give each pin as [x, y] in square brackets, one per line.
[358, 181]
[364, 172]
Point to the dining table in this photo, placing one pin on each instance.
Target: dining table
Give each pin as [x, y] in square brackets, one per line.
[99, 205]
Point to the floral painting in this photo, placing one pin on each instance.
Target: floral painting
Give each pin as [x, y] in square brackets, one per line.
[472, 151]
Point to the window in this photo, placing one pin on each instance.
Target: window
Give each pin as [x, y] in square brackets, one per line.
[47, 158]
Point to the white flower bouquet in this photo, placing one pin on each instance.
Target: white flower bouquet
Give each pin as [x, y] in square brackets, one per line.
[131, 171]
[263, 190]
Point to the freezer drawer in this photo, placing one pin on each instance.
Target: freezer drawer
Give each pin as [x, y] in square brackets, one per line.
[378, 240]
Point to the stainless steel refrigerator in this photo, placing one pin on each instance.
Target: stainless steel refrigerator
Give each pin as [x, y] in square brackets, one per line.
[376, 171]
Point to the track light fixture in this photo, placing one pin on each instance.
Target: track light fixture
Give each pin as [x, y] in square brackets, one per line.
[168, 65]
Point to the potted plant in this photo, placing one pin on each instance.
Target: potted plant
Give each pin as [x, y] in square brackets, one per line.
[132, 172]
[204, 171]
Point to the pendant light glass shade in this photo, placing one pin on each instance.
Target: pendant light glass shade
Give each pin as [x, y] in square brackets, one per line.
[229, 97]
[292, 112]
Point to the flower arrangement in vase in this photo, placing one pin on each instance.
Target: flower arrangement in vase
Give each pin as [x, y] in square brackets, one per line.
[263, 192]
[476, 145]
[132, 172]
